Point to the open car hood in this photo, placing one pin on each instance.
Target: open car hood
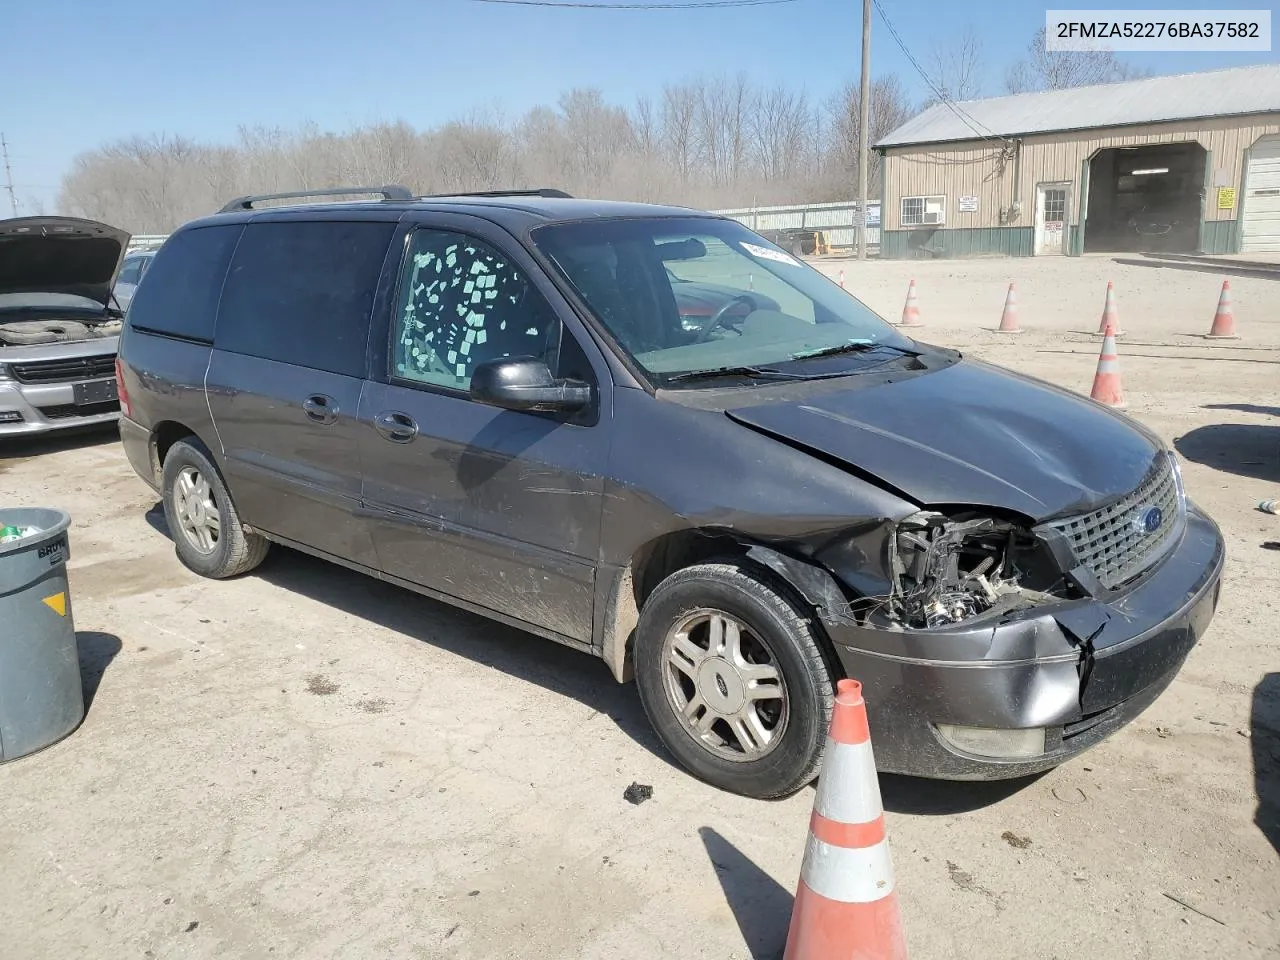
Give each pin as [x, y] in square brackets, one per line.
[62, 255]
[970, 435]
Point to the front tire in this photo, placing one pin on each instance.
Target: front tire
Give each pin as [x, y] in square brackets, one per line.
[732, 676]
[207, 533]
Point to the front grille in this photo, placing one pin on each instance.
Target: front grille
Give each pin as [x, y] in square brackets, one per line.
[1123, 539]
[65, 371]
[61, 411]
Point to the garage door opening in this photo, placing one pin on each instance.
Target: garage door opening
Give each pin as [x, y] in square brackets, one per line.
[1145, 199]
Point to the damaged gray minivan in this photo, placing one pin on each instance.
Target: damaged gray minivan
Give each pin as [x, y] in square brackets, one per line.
[506, 402]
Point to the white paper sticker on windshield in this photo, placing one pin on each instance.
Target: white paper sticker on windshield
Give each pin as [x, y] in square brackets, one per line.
[764, 253]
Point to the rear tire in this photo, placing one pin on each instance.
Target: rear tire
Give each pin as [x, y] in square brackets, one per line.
[206, 529]
[744, 705]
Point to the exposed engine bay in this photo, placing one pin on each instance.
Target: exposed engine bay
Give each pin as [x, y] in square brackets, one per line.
[27, 333]
[950, 569]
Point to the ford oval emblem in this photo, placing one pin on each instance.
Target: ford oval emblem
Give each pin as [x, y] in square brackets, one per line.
[1147, 519]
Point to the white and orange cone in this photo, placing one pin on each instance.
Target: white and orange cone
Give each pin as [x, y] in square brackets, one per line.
[911, 312]
[1009, 319]
[841, 279]
[1106, 382]
[1224, 321]
[1109, 313]
[846, 904]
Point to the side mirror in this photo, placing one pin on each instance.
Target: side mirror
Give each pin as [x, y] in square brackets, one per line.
[523, 383]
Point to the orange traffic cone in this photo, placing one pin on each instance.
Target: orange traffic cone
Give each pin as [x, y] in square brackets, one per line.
[1106, 382]
[911, 312]
[846, 905]
[1224, 321]
[1009, 319]
[1109, 313]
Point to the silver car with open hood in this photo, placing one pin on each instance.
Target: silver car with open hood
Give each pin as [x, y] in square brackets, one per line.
[59, 324]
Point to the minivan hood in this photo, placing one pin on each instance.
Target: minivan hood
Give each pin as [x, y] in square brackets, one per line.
[970, 434]
[60, 255]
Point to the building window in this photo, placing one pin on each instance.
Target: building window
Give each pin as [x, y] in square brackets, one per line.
[1055, 206]
[923, 211]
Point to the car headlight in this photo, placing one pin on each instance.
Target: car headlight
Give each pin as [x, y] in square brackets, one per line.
[4, 372]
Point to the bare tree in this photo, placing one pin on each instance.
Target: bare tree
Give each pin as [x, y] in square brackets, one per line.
[1044, 69]
[723, 106]
[890, 109]
[782, 134]
[679, 113]
[707, 142]
[957, 68]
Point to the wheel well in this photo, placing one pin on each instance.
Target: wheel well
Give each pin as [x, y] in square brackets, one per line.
[660, 558]
[163, 437]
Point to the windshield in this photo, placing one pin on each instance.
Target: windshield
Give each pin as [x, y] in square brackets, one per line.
[687, 295]
[47, 301]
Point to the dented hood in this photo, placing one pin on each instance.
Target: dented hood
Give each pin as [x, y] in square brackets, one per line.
[62, 255]
[970, 434]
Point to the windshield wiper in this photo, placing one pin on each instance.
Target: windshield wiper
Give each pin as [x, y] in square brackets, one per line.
[853, 346]
[761, 373]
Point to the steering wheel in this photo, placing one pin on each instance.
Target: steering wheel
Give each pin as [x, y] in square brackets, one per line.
[717, 318]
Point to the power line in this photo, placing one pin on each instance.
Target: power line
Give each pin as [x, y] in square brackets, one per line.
[941, 94]
[694, 5]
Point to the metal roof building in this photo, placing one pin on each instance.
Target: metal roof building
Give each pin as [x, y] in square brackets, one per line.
[1187, 163]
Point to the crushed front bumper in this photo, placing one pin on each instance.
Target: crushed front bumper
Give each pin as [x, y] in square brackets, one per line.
[1080, 670]
[29, 408]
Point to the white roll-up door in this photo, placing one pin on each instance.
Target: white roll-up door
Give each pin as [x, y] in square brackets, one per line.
[1260, 214]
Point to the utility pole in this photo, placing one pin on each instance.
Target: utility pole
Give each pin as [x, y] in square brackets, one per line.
[864, 123]
[8, 174]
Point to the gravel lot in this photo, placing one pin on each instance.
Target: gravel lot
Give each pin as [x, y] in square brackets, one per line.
[306, 763]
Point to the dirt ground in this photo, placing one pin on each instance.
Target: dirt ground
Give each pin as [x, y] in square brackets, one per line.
[305, 763]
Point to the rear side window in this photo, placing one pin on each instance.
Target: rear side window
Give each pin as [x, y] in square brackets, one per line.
[301, 292]
[181, 297]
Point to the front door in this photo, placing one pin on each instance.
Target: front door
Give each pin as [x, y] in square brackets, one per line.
[497, 508]
[1051, 218]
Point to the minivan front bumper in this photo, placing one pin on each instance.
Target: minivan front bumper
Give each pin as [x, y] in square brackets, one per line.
[1097, 665]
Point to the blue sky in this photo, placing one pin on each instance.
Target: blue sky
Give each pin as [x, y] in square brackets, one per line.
[78, 73]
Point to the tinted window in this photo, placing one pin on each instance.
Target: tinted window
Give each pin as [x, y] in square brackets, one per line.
[130, 271]
[181, 298]
[302, 293]
[462, 302]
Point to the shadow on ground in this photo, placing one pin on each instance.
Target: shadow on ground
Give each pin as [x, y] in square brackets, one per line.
[760, 905]
[1245, 449]
[1245, 408]
[1264, 737]
[156, 520]
[1238, 268]
[26, 448]
[563, 671]
[97, 650]
[940, 798]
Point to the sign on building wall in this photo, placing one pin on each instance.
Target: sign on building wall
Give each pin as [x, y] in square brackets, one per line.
[1226, 198]
[968, 204]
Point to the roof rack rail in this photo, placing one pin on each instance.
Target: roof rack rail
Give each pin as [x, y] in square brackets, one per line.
[531, 192]
[388, 192]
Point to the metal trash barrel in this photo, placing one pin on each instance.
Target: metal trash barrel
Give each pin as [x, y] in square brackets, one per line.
[41, 699]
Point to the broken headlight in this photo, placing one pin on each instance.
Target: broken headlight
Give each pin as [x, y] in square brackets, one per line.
[947, 569]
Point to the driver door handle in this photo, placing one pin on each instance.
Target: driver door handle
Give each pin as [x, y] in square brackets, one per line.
[320, 408]
[395, 426]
